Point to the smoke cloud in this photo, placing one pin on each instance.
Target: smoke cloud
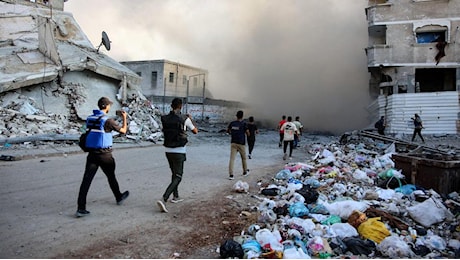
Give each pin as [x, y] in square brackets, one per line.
[295, 57]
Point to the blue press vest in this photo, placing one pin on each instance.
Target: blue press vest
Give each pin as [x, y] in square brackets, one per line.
[97, 137]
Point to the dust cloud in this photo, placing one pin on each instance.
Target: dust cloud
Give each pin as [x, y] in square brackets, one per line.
[296, 57]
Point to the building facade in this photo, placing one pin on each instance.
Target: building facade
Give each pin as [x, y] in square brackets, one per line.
[163, 78]
[414, 63]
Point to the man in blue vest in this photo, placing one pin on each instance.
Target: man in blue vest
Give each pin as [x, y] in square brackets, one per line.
[174, 129]
[99, 144]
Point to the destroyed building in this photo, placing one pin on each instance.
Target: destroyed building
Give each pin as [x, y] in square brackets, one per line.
[413, 59]
[162, 80]
[51, 75]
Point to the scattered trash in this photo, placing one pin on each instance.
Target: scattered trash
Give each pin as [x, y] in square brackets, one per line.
[349, 201]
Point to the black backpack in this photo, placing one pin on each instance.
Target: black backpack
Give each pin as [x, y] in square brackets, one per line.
[173, 130]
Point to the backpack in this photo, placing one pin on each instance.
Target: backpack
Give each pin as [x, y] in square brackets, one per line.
[83, 137]
[82, 141]
[173, 130]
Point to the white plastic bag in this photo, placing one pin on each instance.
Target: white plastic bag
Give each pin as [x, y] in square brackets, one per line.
[346, 207]
[429, 212]
[343, 230]
[241, 186]
[394, 247]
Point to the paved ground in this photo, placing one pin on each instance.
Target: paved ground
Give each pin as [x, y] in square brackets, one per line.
[38, 194]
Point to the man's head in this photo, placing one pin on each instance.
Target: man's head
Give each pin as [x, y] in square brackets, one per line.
[289, 118]
[283, 117]
[251, 119]
[176, 103]
[104, 103]
[239, 114]
[297, 118]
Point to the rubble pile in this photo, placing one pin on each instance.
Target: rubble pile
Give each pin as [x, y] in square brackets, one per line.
[347, 201]
[23, 118]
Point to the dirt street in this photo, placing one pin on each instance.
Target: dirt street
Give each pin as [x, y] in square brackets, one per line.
[38, 199]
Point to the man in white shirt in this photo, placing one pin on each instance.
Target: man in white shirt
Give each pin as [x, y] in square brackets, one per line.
[290, 130]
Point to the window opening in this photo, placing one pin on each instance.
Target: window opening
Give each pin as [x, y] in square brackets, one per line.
[171, 77]
[154, 79]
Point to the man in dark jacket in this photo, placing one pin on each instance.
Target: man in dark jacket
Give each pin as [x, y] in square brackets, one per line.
[238, 131]
[174, 130]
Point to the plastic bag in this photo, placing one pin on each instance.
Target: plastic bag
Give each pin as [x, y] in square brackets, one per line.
[332, 219]
[429, 212]
[283, 175]
[268, 240]
[346, 207]
[298, 209]
[252, 247]
[241, 186]
[305, 226]
[343, 230]
[395, 247]
[230, 248]
[374, 230]
[358, 246]
[267, 216]
[406, 189]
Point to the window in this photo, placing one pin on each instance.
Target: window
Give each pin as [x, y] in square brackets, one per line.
[154, 79]
[429, 37]
[171, 77]
[139, 73]
[432, 80]
[184, 80]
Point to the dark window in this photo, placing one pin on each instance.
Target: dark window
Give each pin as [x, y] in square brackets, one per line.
[171, 77]
[154, 79]
[429, 37]
[432, 80]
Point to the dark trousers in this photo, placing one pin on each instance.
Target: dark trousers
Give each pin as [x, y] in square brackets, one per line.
[291, 146]
[417, 131]
[176, 164]
[281, 139]
[296, 140]
[251, 142]
[93, 162]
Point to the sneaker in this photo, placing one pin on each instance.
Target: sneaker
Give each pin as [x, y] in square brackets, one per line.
[249, 156]
[246, 173]
[231, 177]
[290, 158]
[284, 156]
[162, 206]
[124, 195]
[81, 213]
[176, 200]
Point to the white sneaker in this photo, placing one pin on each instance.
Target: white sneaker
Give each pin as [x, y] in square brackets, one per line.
[162, 206]
[176, 200]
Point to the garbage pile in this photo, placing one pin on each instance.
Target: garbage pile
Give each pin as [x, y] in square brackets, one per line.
[24, 118]
[347, 201]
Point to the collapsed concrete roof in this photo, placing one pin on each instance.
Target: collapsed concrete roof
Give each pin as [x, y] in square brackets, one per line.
[37, 44]
[49, 69]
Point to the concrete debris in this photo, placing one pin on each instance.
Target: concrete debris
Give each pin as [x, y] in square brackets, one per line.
[348, 201]
[24, 121]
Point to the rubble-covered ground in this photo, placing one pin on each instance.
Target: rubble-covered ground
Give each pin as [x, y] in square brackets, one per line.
[24, 121]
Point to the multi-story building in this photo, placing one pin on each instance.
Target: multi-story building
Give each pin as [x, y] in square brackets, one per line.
[414, 63]
[163, 78]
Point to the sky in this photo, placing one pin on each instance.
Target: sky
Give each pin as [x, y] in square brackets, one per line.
[282, 57]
